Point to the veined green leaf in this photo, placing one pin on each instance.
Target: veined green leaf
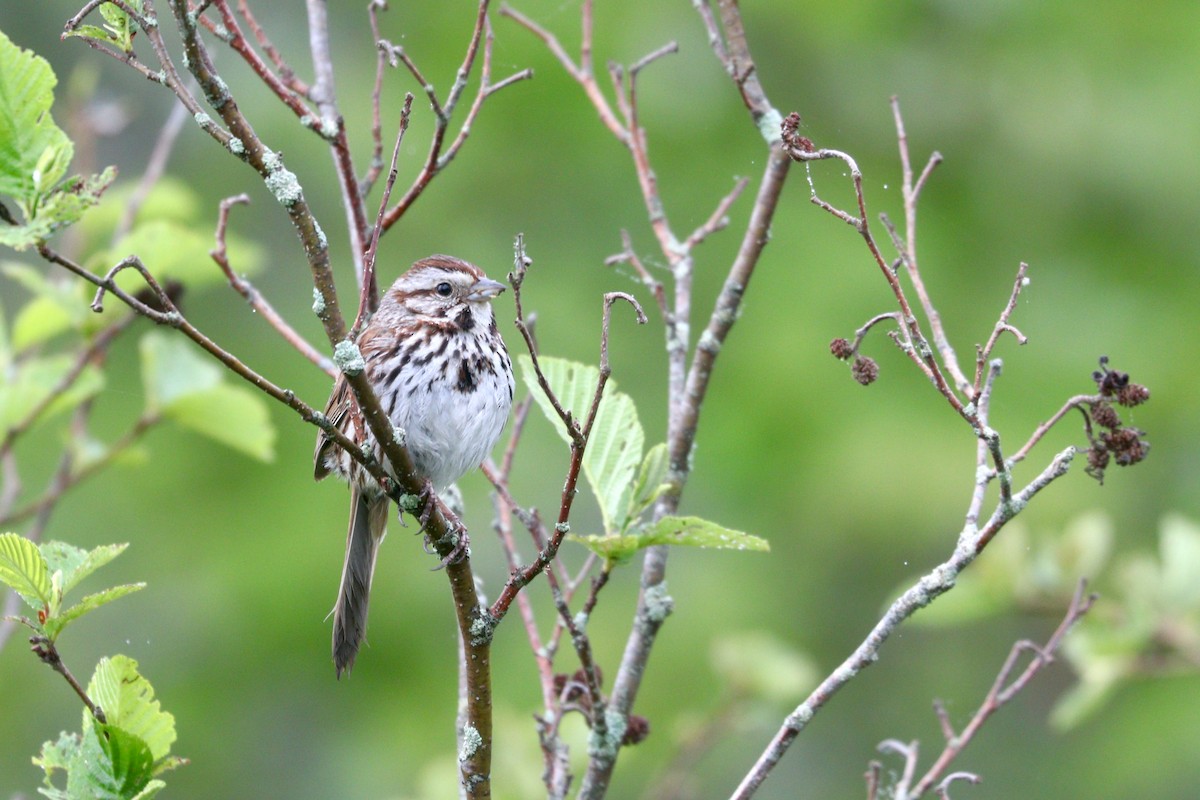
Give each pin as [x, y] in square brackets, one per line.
[55, 624]
[23, 570]
[34, 151]
[615, 444]
[76, 563]
[128, 702]
[649, 484]
[689, 531]
[61, 207]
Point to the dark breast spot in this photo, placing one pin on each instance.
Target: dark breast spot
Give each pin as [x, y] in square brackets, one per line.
[466, 380]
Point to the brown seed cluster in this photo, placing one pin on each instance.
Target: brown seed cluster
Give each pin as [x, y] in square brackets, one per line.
[1115, 441]
[573, 692]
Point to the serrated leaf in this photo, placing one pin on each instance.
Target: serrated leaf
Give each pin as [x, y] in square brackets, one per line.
[23, 569]
[56, 623]
[62, 207]
[686, 531]
[110, 766]
[615, 444]
[132, 765]
[172, 369]
[57, 756]
[231, 415]
[75, 563]
[697, 532]
[28, 134]
[128, 702]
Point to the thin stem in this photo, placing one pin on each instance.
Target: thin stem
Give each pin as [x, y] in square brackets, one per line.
[255, 298]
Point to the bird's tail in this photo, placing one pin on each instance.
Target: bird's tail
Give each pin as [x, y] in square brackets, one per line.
[368, 520]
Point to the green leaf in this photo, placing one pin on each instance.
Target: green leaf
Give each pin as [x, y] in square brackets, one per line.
[132, 764]
[23, 570]
[232, 415]
[184, 386]
[1105, 659]
[6, 353]
[40, 320]
[128, 702]
[697, 532]
[55, 624]
[30, 387]
[111, 765]
[649, 484]
[173, 369]
[60, 208]
[615, 444]
[119, 24]
[57, 756]
[89, 32]
[29, 138]
[689, 531]
[75, 563]
[175, 251]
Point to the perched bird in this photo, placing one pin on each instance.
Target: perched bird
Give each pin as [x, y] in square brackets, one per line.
[435, 358]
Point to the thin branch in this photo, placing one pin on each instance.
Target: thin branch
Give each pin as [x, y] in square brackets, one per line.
[583, 73]
[333, 128]
[936, 582]
[368, 300]
[255, 298]
[44, 649]
[1002, 325]
[911, 193]
[1004, 688]
[440, 155]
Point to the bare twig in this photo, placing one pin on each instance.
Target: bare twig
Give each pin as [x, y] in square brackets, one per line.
[255, 298]
[368, 300]
[44, 649]
[939, 580]
[440, 155]
[1004, 688]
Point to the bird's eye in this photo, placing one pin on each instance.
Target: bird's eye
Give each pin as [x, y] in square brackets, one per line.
[444, 289]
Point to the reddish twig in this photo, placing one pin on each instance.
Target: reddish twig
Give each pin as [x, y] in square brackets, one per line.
[1004, 688]
[255, 298]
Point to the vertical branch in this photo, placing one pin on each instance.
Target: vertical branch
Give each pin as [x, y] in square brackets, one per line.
[333, 127]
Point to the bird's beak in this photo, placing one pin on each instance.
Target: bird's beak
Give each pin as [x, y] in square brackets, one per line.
[484, 289]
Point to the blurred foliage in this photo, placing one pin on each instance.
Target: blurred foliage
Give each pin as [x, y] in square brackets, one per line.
[1069, 135]
[126, 744]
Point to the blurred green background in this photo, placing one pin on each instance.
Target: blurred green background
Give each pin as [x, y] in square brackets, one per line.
[1070, 133]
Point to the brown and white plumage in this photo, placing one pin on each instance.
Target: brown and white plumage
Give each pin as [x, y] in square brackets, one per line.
[435, 358]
